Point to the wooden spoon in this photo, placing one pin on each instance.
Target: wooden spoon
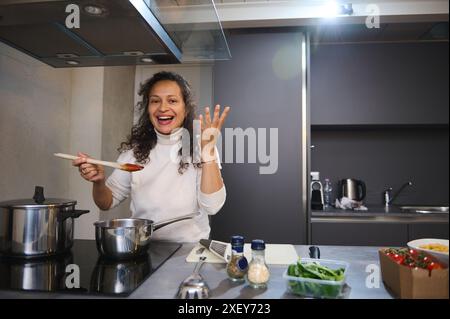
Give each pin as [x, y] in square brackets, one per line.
[125, 167]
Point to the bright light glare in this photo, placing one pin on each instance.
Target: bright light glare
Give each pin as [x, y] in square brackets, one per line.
[330, 9]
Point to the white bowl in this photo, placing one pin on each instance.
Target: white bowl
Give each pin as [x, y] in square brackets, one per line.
[442, 257]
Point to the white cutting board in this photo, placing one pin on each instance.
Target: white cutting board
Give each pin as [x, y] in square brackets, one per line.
[276, 254]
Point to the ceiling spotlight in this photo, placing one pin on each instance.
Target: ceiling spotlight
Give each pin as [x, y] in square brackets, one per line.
[146, 60]
[333, 9]
[133, 53]
[72, 62]
[66, 56]
[94, 10]
[347, 9]
[330, 9]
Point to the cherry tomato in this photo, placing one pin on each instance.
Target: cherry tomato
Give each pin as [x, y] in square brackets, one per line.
[412, 258]
[398, 258]
[413, 253]
[434, 265]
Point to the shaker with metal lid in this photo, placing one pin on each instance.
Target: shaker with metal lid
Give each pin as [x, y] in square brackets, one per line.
[238, 265]
[258, 272]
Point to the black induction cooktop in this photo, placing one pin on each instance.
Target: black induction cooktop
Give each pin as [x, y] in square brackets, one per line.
[83, 271]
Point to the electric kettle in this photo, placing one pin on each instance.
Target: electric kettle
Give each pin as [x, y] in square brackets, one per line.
[352, 188]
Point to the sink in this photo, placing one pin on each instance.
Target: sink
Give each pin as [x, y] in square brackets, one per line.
[425, 209]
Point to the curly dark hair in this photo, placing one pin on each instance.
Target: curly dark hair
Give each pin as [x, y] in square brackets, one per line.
[143, 136]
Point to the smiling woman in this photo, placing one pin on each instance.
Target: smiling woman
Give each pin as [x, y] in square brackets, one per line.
[167, 110]
[165, 188]
[167, 104]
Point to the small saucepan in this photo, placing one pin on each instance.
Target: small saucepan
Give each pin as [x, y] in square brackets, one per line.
[128, 237]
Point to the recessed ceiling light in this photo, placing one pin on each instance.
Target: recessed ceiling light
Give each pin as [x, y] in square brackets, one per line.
[333, 9]
[66, 55]
[330, 9]
[72, 62]
[133, 53]
[147, 60]
[347, 9]
[94, 10]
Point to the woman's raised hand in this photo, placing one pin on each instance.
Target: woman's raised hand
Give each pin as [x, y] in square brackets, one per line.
[210, 131]
[90, 172]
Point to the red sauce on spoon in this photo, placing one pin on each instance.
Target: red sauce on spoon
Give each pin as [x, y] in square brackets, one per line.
[131, 167]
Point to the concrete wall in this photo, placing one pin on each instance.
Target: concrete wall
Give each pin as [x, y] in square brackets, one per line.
[101, 118]
[118, 106]
[34, 123]
[45, 110]
[85, 136]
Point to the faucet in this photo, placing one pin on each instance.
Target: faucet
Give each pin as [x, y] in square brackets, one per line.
[388, 198]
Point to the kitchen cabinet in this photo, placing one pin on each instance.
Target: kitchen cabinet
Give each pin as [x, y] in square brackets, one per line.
[373, 105]
[375, 233]
[262, 84]
[359, 234]
[379, 84]
[428, 230]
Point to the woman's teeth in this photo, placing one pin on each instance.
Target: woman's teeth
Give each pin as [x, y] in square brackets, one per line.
[165, 120]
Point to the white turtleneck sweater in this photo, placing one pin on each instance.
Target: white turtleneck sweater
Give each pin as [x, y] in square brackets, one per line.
[159, 192]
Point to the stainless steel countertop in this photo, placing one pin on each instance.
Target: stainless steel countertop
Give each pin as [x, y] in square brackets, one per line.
[163, 284]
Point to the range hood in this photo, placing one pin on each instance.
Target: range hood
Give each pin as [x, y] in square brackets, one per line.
[112, 32]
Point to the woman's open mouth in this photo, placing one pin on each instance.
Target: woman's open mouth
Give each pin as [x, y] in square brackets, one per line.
[165, 120]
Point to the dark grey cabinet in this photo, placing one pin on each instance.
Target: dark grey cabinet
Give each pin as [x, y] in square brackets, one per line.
[262, 83]
[374, 234]
[428, 230]
[379, 84]
[359, 234]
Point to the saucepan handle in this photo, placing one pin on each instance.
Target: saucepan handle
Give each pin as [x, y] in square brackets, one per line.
[161, 224]
[71, 214]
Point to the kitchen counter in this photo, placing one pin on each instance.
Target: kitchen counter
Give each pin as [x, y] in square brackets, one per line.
[379, 214]
[165, 281]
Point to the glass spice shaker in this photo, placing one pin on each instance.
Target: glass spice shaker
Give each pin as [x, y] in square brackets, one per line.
[238, 265]
[258, 272]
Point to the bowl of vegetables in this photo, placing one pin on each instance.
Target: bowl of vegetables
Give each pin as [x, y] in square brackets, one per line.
[317, 278]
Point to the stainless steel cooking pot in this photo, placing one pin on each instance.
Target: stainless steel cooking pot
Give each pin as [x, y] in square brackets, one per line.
[128, 237]
[37, 227]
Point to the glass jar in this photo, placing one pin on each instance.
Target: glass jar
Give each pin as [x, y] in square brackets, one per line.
[258, 273]
[237, 266]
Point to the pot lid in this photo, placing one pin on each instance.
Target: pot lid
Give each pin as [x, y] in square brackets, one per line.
[30, 203]
[38, 201]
